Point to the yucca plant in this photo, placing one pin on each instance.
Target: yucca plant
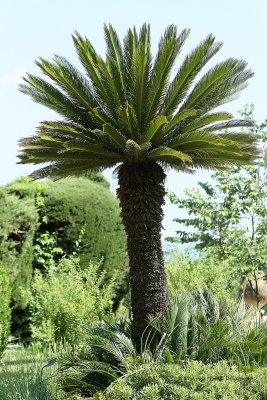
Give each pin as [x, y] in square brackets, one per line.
[127, 111]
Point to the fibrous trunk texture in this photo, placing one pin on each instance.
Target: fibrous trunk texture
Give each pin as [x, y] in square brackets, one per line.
[141, 194]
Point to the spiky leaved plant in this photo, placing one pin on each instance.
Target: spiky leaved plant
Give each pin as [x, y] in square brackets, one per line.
[127, 112]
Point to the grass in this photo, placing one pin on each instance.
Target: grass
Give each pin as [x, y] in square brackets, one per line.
[21, 375]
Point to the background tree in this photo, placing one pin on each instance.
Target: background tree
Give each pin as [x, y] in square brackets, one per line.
[127, 112]
[229, 215]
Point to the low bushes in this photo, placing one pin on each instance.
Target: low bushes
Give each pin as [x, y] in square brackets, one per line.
[186, 275]
[5, 310]
[196, 328]
[193, 381]
[65, 298]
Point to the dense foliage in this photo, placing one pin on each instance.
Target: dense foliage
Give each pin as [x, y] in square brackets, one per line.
[40, 222]
[186, 273]
[5, 310]
[65, 298]
[18, 224]
[83, 211]
[196, 327]
[194, 381]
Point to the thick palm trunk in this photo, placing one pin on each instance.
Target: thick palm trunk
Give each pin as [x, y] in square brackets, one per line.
[141, 194]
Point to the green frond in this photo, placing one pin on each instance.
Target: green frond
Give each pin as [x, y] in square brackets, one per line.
[228, 90]
[220, 160]
[70, 80]
[233, 123]
[192, 65]
[154, 127]
[58, 170]
[213, 79]
[91, 148]
[169, 47]
[141, 67]
[172, 123]
[100, 116]
[114, 53]
[97, 72]
[161, 152]
[129, 49]
[44, 93]
[247, 138]
[64, 130]
[114, 135]
[116, 76]
[128, 122]
[203, 121]
[203, 139]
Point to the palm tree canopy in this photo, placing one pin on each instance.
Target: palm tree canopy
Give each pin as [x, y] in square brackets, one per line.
[127, 109]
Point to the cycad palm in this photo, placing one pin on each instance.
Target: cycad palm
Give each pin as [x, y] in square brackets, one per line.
[127, 112]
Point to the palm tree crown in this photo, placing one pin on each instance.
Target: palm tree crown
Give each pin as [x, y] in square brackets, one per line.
[126, 109]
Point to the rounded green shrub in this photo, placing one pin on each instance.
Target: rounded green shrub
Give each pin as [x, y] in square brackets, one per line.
[195, 381]
[79, 209]
[5, 310]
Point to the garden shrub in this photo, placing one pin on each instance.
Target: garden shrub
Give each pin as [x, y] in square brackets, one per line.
[78, 205]
[194, 328]
[18, 224]
[65, 298]
[194, 381]
[40, 222]
[5, 310]
[186, 275]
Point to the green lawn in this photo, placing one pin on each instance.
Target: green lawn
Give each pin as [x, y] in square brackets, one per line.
[20, 375]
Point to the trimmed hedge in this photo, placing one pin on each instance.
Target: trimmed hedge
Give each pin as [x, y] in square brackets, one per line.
[194, 382]
[18, 224]
[76, 205]
[5, 310]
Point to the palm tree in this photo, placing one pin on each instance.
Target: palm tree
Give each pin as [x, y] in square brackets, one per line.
[127, 112]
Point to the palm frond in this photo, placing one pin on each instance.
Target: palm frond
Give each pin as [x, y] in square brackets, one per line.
[163, 151]
[169, 47]
[192, 65]
[141, 67]
[44, 93]
[223, 72]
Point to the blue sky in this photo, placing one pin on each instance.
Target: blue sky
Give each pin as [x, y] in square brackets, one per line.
[33, 28]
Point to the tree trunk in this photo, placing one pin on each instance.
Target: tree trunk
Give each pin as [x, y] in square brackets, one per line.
[141, 194]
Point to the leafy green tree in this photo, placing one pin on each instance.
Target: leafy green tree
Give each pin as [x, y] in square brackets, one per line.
[229, 215]
[127, 112]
